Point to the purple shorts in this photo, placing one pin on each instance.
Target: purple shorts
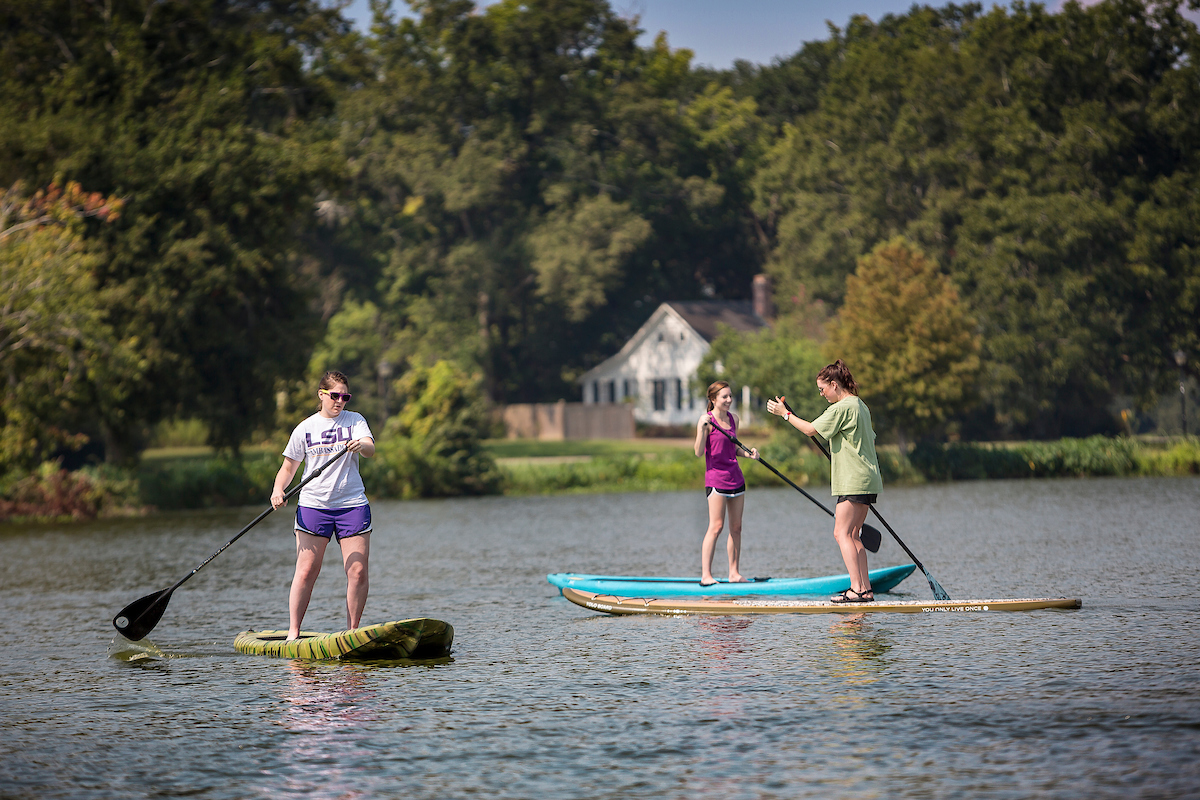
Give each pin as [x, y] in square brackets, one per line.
[345, 522]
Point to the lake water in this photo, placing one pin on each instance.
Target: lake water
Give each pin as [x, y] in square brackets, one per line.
[545, 699]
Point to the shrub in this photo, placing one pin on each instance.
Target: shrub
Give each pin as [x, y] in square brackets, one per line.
[52, 493]
[434, 446]
[207, 481]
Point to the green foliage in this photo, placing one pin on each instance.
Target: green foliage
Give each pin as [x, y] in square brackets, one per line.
[207, 482]
[1048, 160]
[59, 356]
[434, 446]
[1180, 458]
[773, 361]
[537, 183]
[911, 346]
[194, 114]
[514, 188]
[50, 493]
[1094, 456]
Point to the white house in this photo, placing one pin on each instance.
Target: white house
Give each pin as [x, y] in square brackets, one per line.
[654, 369]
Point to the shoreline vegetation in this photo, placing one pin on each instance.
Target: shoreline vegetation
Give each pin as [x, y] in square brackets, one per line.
[194, 478]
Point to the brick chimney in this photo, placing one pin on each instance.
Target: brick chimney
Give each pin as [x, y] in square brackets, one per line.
[763, 307]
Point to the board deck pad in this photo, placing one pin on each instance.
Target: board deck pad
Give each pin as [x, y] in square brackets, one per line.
[675, 606]
[403, 639]
[882, 580]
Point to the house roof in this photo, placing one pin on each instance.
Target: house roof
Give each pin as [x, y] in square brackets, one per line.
[706, 315]
[702, 316]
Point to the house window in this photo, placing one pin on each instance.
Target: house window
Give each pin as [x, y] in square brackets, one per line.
[595, 391]
[678, 394]
[610, 391]
[660, 395]
[630, 388]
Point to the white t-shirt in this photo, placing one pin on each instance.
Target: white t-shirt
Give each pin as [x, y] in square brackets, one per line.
[317, 441]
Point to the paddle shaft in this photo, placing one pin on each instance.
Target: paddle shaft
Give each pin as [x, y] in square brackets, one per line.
[316, 474]
[160, 599]
[938, 592]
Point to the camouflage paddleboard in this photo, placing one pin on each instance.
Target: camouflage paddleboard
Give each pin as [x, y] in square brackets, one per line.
[409, 638]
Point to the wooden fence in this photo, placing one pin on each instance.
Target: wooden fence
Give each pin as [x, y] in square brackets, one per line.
[563, 420]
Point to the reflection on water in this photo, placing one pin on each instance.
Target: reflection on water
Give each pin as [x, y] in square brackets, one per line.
[855, 652]
[330, 710]
[723, 637]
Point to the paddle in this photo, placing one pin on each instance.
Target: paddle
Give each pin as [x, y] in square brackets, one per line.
[871, 542]
[938, 592]
[139, 617]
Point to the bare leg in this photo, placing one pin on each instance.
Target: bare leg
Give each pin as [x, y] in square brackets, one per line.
[734, 545]
[355, 550]
[310, 550]
[716, 521]
[847, 528]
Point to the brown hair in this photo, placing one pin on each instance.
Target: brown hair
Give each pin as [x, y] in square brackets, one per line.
[838, 371]
[329, 379]
[714, 389]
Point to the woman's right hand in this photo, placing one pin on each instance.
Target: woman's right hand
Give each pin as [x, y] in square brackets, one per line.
[277, 499]
[776, 406]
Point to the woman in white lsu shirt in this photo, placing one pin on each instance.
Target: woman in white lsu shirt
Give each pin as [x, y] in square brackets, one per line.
[335, 504]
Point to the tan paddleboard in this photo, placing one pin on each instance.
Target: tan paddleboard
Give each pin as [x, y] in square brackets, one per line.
[611, 604]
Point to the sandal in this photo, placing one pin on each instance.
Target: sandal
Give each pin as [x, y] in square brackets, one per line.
[859, 597]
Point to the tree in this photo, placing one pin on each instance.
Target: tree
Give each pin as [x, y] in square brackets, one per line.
[193, 113]
[907, 338]
[773, 361]
[58, 352]
[434, 446]
[1045, 159]
[538, 183]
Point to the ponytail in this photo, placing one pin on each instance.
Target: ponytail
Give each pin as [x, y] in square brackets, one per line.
[839, 372]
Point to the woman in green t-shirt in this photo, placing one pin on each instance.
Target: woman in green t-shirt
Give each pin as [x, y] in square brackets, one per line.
[854, 469]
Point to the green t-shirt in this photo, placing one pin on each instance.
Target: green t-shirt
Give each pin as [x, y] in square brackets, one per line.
[854, 469]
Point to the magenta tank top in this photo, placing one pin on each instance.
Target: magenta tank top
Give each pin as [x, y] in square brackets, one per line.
[720, 458]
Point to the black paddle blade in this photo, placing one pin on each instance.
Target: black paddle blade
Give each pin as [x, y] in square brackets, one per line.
[871, 538]
[938, 592]
[139, 617]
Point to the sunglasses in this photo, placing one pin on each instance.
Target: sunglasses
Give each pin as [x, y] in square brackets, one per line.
[338, 397]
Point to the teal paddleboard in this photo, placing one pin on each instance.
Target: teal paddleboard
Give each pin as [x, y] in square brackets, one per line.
[882, 580]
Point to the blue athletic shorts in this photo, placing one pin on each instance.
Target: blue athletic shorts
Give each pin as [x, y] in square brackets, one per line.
[345, 522]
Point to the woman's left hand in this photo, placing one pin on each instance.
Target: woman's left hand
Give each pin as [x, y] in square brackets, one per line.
[754, 453]
[775, 406]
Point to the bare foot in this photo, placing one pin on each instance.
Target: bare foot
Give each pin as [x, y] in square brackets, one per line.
[707, 580]
[738, 579]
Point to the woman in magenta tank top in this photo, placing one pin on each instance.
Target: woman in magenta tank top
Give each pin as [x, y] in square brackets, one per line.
[723, 481]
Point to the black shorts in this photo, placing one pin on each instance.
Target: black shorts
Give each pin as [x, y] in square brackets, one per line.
[861, 499]
[738, 492]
